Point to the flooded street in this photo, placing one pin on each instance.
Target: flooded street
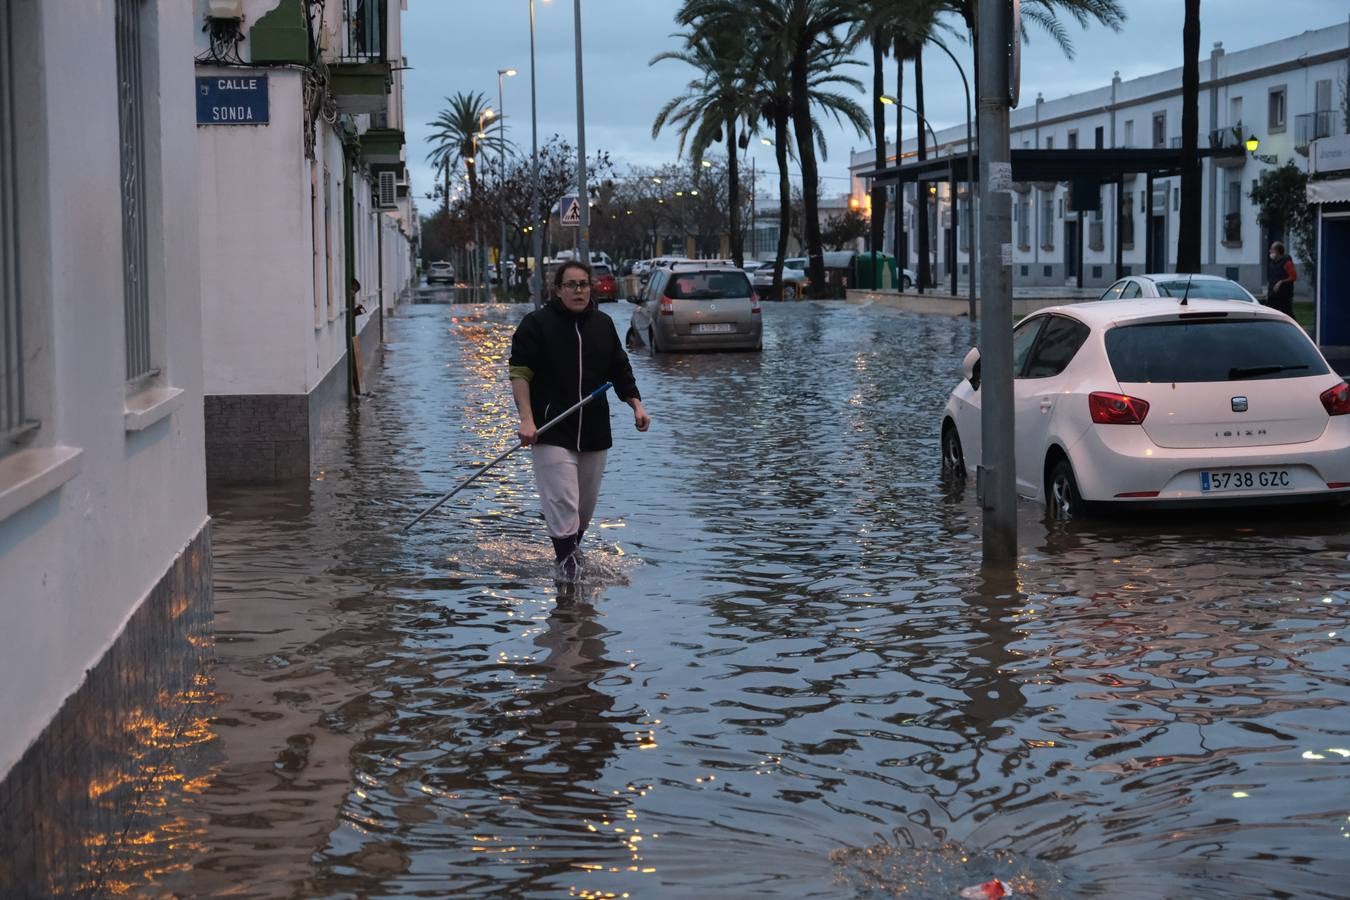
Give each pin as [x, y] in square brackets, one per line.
[783, 674]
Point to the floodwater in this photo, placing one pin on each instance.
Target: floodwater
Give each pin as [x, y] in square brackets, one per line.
[783, 674]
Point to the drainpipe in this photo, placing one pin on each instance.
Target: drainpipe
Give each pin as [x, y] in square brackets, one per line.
[349, 266]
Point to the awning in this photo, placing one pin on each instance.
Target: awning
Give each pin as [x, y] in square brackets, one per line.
[1329, 190]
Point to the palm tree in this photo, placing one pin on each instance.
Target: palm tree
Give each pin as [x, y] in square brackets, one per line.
[711, 109]
[804, 33]
[1188, 233]
[458, 135]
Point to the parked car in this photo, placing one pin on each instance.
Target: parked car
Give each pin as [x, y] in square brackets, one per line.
[440, 271]
[794, 281]
[697, 305]
[604, 286]
[1171, 284]
[1138, 403]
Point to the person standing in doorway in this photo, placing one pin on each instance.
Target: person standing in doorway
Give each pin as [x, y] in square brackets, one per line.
[1280, 280]
[560, 353]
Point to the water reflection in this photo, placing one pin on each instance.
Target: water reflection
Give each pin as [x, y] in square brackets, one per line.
[785, 673]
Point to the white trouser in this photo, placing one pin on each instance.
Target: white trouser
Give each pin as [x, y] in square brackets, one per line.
[569, 484]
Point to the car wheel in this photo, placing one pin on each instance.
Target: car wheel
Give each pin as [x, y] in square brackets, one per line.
[1062, 500]
[789, 292]
[953, 460]
[906, 284]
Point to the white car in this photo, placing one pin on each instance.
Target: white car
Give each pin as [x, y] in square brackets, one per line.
[442, 271]
[1144, 403]
[794, 281]
[1192, 287]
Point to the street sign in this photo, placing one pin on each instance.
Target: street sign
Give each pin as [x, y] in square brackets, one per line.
[569, 212]
[232, 100]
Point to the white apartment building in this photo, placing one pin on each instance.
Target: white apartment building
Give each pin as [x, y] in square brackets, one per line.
[1286, 94]
[303, 197]
[105, 563]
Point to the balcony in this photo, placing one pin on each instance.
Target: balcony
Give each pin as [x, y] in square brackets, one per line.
[361, 71]
[1311, 126]
[382, 147]
[1231, 138]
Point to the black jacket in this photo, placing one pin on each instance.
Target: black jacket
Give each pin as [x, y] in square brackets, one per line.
[565, 356]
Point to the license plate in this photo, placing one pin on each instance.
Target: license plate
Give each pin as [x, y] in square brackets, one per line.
[713, 328]
[1229, 480]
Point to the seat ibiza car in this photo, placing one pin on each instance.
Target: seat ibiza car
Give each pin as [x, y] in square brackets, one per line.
[1152, 403]
[705, 305]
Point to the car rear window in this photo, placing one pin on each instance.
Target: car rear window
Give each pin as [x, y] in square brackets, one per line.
[598, 270]
[1203, 290]
[1211, 350]
[708, 285]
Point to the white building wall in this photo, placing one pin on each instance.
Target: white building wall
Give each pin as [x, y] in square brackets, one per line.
[1234, 86]
[77, 560]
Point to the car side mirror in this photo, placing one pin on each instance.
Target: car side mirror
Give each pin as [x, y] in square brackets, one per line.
[970, 367]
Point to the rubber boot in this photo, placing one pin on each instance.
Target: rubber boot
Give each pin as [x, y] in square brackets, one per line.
[565, 551]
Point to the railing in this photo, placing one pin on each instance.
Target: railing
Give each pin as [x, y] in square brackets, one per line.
[365, 31]
[1224, 138]
[1174, 143]
[1311, 126]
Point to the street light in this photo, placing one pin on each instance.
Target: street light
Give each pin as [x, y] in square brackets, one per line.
[584, 235]
[501, 205]
[537, 242]
[970, 179]
[1253, 145]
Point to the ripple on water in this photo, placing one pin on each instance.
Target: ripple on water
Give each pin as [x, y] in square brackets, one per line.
[783, 672]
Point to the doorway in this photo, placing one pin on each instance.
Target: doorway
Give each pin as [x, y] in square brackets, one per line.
[1071, 258]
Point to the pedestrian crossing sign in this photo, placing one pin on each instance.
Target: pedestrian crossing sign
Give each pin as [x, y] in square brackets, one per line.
[569, 212]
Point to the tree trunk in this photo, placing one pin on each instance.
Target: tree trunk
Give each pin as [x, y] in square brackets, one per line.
[1188, 232]
[878, 213]
[806, 154]
[780, 143]
[734, 195]
[901, 237]
[920, 191]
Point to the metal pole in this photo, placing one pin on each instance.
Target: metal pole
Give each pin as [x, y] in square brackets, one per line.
[996, 482]
[501, 204]
[954, 242]
[536, 236]
[584, 232]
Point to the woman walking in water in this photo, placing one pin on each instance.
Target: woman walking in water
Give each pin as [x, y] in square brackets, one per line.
[560, 353]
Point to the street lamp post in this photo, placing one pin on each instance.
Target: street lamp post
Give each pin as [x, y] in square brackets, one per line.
[970, 179]
[583, 198]
[537, 242]
[501, 200]
[899, 194]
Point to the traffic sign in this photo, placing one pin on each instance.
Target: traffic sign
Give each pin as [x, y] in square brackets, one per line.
[569, 212]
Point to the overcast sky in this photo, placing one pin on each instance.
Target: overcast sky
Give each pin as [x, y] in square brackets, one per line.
[458, 45]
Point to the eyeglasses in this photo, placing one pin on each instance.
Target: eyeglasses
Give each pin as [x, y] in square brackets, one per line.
[577, 285]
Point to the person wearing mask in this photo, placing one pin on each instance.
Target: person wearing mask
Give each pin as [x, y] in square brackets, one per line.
[560, 353]
[1280, 280]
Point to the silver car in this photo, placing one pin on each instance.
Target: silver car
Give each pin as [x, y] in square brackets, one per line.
[697, 306]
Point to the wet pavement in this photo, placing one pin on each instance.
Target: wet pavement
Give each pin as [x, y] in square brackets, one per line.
[783, 674]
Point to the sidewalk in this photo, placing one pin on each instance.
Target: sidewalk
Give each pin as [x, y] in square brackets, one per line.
[939, 303]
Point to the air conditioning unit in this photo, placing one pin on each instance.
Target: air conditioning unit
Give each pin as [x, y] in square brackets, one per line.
[386, 194]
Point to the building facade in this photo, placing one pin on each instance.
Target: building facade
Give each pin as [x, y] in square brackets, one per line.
[307, 225]
[104, 542]
[1286, 94]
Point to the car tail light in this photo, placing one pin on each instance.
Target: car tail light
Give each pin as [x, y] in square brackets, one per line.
[1337, 399]
[1116, 409]
[667, 306]
[754, 303]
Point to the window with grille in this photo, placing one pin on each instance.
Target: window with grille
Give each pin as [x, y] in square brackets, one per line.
[1232, 210]
[1024, 222]
[11, 324]
[129, 16]
[1127, 218]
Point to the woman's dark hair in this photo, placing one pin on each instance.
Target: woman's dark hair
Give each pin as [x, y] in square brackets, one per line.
[570, 264]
